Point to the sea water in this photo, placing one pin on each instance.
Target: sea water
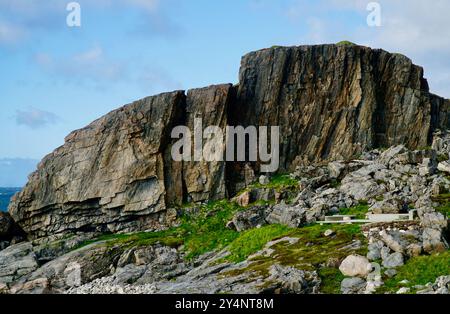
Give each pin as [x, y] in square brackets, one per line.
[5, 197]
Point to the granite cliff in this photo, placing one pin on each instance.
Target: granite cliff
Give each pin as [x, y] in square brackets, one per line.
[361, 136]
[332, 102]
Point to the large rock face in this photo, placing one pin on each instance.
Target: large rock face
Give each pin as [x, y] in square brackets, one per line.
[206, 180]
[108, 176]
[331, 102]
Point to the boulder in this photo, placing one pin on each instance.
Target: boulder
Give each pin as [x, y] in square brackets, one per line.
[387, 206]
[434, 220]
[355, 266]
[353, 285]
[389, 155]
[243, 199]
[403, 290]
[394, 260]
[444, 166]
[374, 251]
[290, 280]
[263, 180]
[361, 188]
[249, 219]
[417, 157]
[70, 270]
[390, 272]
[16, 262]
[293, 217]
[414, 250]
[329, 233]
[336, 169]
[385, 252]
[433, 241]
[393, 241]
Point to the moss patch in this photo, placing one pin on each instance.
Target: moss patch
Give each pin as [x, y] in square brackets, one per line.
[331, 280]
[312, 251]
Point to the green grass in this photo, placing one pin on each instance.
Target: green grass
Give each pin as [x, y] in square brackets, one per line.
[419, 271]
[444, 204]
[311, 251]
[201, 232]
[359, 211]
[331, 280]
[444, 209]
[252, 241]
[345, 43]
[278, 182]
[206, 231]
[335, 184]
[442, 157]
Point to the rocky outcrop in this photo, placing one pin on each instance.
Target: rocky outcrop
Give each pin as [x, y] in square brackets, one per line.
[16, 262]
[331, 102]
[336, 101]
[305, 258]
[108, 176]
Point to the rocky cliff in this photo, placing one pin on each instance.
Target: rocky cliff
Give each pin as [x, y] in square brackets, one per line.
[331, 102]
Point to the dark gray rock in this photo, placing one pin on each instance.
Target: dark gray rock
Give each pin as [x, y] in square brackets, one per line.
[16, 262]
[353, 285]
[394, 260]
[249, 219]
[287, 215]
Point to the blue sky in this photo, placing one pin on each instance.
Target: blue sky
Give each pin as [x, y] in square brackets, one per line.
[56, 79]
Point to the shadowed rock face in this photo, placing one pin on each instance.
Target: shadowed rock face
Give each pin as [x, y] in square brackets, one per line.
[330, 102]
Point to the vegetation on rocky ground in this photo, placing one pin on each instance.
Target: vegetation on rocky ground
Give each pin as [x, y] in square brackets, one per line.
[418, 271]
[359, 211]
[444, 204]
[203, 229]
[345, 43]
[252, 241]
[278, 182]
[312, 251]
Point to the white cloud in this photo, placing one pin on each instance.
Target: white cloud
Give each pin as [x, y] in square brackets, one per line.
[35, 118]
[416, 28]
[10, 34]
[91, 66]
[94, 68]
[93, 55]
[21, 19]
